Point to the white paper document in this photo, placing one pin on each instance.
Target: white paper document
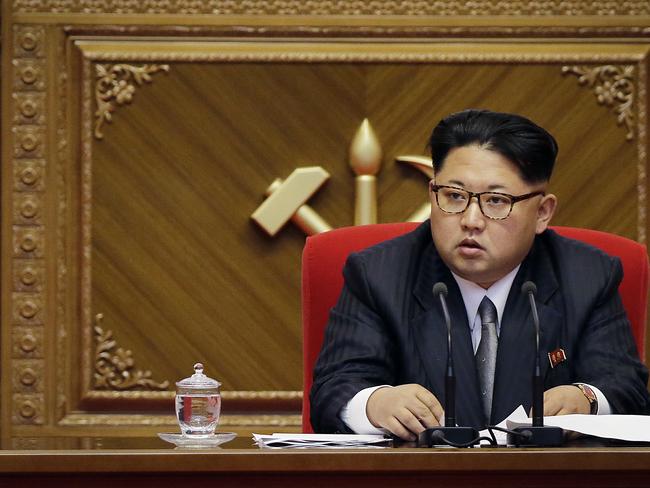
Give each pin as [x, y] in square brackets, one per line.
[338, 441]
[633, 428]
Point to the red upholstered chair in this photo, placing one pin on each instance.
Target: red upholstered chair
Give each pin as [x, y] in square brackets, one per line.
[324, 256]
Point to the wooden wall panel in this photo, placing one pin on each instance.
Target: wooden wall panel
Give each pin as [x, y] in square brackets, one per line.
[148, 222]
[181, 273]
[174, 183]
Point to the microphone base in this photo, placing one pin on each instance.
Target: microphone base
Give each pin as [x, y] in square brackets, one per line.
[457, 435]
[537, 437]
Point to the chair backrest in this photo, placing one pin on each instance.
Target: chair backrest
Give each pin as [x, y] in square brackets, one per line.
[324, 256]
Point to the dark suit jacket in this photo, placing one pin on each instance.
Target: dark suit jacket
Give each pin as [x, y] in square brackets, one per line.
[386, 328]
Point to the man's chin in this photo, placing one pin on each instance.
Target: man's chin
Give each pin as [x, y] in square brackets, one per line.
[474, 274]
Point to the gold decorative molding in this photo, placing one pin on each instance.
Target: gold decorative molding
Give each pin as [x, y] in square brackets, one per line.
[27, 376]
[130, 420]
[28, 275]
[62, 322]
[285, 395]
[29, 74]
[642, 145]
[474, 27]
[29, 175]
[352, 8]
[87, 321]
[28, 309]
[28, 113]
[29, 241]
[114, 366]
[298, 55]
[136, 420]
[613, 86]
[27, 343]
[28, 409]
[31, 108]
[27, 208]
[116, 85]
[29, 141]
[29, 41]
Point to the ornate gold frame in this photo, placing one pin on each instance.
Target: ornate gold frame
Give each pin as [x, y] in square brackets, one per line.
[165, 51]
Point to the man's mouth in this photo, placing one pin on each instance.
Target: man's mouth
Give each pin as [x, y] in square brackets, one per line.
[470, 243]
[470, 249]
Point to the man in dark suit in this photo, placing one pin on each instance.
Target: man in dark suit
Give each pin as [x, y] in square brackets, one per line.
[383, 360]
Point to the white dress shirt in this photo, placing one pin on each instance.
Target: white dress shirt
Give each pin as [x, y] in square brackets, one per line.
[354, 412]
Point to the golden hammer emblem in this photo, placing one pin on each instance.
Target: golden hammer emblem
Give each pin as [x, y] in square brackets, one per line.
[287, 200]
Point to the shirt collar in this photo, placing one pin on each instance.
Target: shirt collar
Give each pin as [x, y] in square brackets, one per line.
[473, 294]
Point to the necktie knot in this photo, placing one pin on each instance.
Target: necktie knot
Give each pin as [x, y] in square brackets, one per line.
[487, 311]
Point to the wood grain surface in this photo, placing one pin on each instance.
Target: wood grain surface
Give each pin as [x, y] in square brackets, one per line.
[181, 273]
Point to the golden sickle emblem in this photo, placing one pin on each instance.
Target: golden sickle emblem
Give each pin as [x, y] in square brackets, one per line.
[287, 200]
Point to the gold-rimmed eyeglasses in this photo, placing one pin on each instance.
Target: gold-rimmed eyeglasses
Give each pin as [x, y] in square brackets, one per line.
[494, 205]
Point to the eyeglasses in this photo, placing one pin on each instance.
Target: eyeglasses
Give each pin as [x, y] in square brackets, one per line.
[494, 205]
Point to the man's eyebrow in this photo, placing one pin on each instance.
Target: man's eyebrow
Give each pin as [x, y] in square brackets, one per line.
[496, 187]
[493, 187]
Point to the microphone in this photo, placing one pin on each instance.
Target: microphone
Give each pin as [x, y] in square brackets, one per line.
[440, 291]
[529, 289]
[450, 434]
[537, 435]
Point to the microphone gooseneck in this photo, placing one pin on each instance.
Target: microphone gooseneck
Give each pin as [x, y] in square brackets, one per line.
[537, 435]
[440, 291]
[529, 289]
[450, 434]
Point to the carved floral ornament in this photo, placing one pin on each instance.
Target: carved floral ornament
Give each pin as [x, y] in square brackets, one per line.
[613, 87]
[115, 366]
[116, 85]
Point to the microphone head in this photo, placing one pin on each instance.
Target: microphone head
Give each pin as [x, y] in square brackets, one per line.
[528, 287]
[440, 289]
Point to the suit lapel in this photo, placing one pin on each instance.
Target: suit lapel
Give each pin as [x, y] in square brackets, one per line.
[430, 333]
[516, 353]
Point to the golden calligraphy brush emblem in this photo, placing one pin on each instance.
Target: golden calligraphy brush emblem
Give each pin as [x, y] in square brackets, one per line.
[365, 161]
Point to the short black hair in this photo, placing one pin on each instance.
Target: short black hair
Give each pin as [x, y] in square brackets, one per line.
[531, 148]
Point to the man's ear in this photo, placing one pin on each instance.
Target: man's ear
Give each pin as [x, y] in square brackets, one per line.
[545, 212]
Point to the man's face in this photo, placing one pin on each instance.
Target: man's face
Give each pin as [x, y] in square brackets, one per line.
[473, 246]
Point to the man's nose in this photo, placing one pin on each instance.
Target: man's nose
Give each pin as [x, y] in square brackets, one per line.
[473, 217]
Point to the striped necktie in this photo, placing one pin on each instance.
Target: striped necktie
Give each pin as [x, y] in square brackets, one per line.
[486, 354]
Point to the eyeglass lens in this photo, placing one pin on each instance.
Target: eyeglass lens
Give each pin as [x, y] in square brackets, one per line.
[493, 205]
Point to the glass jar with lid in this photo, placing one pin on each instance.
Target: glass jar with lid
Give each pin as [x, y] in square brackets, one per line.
[198, 404]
